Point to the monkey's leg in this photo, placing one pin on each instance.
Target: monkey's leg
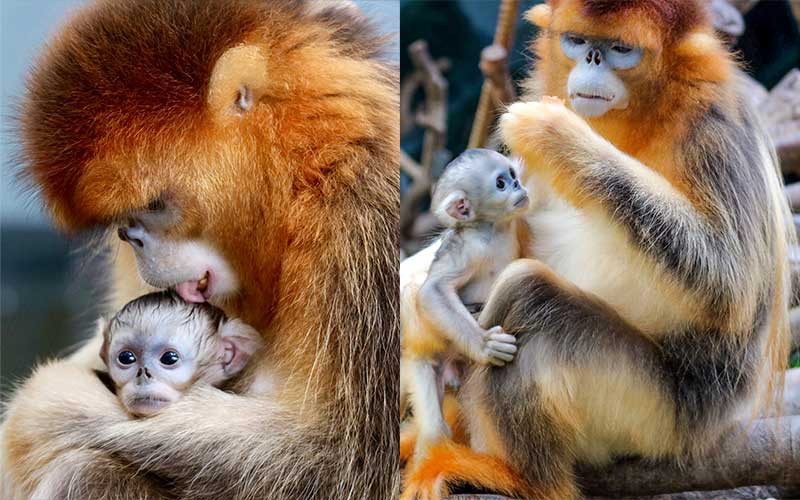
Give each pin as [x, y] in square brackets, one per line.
[565, 395]
[427, 403]
[451, 409]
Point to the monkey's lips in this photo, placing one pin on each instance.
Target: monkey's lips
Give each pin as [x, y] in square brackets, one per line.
[147, 404]
[583, 95]
[196, 290]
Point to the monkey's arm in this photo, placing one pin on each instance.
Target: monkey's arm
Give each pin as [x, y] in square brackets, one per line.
[441, 306]
[684, 227]
[197, 446]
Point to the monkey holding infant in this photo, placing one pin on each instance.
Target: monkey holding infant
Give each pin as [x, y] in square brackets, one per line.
[158, 346]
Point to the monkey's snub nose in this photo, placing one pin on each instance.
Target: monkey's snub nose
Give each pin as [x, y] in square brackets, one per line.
[124, 236]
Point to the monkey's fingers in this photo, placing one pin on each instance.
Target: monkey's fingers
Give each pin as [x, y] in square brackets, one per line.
[503, 337]
[495, 346]
[500, 358]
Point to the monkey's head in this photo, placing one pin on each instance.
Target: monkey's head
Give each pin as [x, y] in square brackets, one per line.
[206, 135]
[615, 58]
[480, 185]
[157, 346]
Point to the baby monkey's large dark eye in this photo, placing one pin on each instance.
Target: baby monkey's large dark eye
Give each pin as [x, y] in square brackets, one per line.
[169, 358]
[126, 358]
[500, 183]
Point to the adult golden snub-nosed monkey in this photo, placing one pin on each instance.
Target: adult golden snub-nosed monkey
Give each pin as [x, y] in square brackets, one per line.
[655, 305]
[247, 154]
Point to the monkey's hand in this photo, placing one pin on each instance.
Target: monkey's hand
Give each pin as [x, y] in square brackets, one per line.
[545, 134]
[498, 347]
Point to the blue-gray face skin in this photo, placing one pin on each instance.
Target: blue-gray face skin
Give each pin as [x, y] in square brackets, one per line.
[593, 86]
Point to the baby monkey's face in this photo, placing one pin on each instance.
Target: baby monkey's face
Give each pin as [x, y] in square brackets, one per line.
[480, 185]
[151, 368]
[503, 194]
[158, 346]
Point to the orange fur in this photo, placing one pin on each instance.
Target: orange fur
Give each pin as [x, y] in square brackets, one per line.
[685, 77]
[135, 100]
[449, 463]
[451, 409]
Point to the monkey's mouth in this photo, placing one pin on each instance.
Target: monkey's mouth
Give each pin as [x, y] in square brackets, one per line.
[522, 202]
[195, 290]
[146, 404]
[583, 95]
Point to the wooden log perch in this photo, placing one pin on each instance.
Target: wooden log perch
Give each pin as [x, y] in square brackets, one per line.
[766, 453]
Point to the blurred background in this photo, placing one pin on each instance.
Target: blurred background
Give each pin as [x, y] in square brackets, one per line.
[451, 49]
[52, 285]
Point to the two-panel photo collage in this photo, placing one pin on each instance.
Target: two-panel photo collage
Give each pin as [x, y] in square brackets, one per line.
[400, 249]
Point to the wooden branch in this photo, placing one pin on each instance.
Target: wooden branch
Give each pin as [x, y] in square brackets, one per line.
[494, 66]
[791, 393]
[781, 112]
[743, 6]
[744, 493]
[793, 195]
[410, 85]
[727, 20]
[433, 115]
[503, 37]
[766, 453]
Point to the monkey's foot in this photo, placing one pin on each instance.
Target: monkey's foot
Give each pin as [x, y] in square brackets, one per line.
[447, 464]
[409, 433]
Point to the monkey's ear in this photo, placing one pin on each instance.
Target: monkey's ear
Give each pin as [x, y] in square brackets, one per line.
[239, 342]
[457, 206]
[102, 329]
[540, 15]
[238, 81]
[703, 57]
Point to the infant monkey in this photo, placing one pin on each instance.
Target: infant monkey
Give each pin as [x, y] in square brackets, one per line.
[480, 200]
[157, 346]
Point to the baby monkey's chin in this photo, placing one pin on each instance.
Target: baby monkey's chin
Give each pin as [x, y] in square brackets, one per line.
[145, 405]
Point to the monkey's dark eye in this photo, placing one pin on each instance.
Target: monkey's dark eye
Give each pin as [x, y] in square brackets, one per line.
[169, 358]
[156, 205]
[500, 183]
[126, 358]
[621, 49]
[512, 173]
[576, 40]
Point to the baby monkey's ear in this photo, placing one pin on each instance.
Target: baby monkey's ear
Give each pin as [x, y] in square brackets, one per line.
[238, 342]
[457, 206]
[102, 329]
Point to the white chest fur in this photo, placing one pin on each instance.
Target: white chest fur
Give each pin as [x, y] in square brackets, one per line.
[598, 257]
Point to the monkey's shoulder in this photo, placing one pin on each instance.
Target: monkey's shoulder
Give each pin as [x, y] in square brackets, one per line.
[470, 243]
